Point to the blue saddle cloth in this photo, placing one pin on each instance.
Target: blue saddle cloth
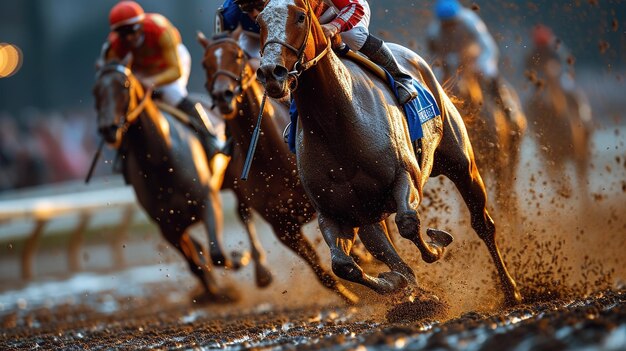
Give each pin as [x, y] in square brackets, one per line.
[417, 111]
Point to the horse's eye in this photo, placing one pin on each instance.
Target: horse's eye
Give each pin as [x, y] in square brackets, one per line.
[301, 18]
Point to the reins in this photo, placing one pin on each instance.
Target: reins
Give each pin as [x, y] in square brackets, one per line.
[131, 115]
[240, 79]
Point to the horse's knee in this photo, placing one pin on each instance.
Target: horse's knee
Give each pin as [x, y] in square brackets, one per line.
[408, 224]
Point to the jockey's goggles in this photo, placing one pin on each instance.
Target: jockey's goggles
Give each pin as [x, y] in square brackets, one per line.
[128, 29]
[251, 6]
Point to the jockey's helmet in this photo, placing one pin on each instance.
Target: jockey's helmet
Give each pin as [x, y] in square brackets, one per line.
[447, 9]
[125, 13]
[542, 36]
[250, 5]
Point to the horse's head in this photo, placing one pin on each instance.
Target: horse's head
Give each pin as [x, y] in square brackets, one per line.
[115, 94]
[227, 71]
[290, 38]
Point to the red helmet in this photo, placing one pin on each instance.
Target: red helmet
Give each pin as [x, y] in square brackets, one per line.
[125, 13]
[542, 35]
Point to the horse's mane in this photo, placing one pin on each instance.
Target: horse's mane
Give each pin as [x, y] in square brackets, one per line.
[318, 6]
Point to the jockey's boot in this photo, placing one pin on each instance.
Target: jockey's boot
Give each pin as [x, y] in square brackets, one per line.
[377, 51]
[209, 141]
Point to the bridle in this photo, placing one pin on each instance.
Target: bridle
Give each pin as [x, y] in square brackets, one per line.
[134, 108]
[243, 83]
[299, 67]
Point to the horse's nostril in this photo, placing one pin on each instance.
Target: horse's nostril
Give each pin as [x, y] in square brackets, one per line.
[260, 76]
[229, 95]
[280, 73]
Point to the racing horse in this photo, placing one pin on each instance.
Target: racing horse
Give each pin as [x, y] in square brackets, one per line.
[166, 165]
[561, 122]
[273, 188]
[495, 134]
[354, 153]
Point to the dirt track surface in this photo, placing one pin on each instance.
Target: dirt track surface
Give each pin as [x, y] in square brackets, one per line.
[559, 249]
[150, 322]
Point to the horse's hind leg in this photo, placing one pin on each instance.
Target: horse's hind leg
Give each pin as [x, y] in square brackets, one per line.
[262, 274]
[408, 222]
[465, 176]
[291, 236]
[376, 239]
[340, 239]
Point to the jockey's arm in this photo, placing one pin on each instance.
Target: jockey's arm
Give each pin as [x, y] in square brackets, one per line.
[487, 61]
[229, 15]
[169, 47]
[350, 14]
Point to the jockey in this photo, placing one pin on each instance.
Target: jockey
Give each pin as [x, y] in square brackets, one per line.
[461, 39]
[351, 19]
[550, 57]
[159, 59]
[235, 13]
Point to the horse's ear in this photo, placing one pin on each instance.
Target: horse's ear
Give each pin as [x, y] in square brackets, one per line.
[126, 61]
[202, 39]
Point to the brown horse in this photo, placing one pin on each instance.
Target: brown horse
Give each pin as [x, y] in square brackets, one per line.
[166, 165]
[354, 154]
[495, 135]
[273, 189]
[561, 122]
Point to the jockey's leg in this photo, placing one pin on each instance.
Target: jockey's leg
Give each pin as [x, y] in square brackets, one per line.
[379, 53]
[207, 139]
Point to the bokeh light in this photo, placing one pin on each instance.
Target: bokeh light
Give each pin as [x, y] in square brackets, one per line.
[10, 60]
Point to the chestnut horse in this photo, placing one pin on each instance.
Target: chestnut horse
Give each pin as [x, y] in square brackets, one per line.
[354, 153]
[273, 189]
[166, 165]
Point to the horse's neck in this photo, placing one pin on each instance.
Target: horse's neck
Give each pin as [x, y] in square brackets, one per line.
[325, 89]
[250, 106]
[151, 124]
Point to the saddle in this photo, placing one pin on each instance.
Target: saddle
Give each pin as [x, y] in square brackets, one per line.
[418, 111]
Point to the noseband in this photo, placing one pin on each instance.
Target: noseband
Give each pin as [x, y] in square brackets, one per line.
[242, 83]
[299, 66]
[134, 109]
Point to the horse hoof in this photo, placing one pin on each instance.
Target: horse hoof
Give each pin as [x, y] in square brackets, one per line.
[224, 295]
[394, 282]
[239, 259]
[219, 260]
[263, 276]
[439, 237]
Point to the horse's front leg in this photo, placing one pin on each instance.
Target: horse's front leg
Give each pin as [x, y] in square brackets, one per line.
[376, 239]
[212, 221]
[262, 274]
[200, 267]
[408, 222]
[340, 240]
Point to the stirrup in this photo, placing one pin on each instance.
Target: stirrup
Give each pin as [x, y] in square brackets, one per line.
[286, 133]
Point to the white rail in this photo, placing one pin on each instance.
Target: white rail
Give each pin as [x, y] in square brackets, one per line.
[43, 209]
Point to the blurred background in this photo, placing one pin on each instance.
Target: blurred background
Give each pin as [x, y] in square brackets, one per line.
[48, 49]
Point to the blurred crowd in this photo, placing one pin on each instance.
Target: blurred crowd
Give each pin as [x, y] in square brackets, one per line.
[40, 148]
